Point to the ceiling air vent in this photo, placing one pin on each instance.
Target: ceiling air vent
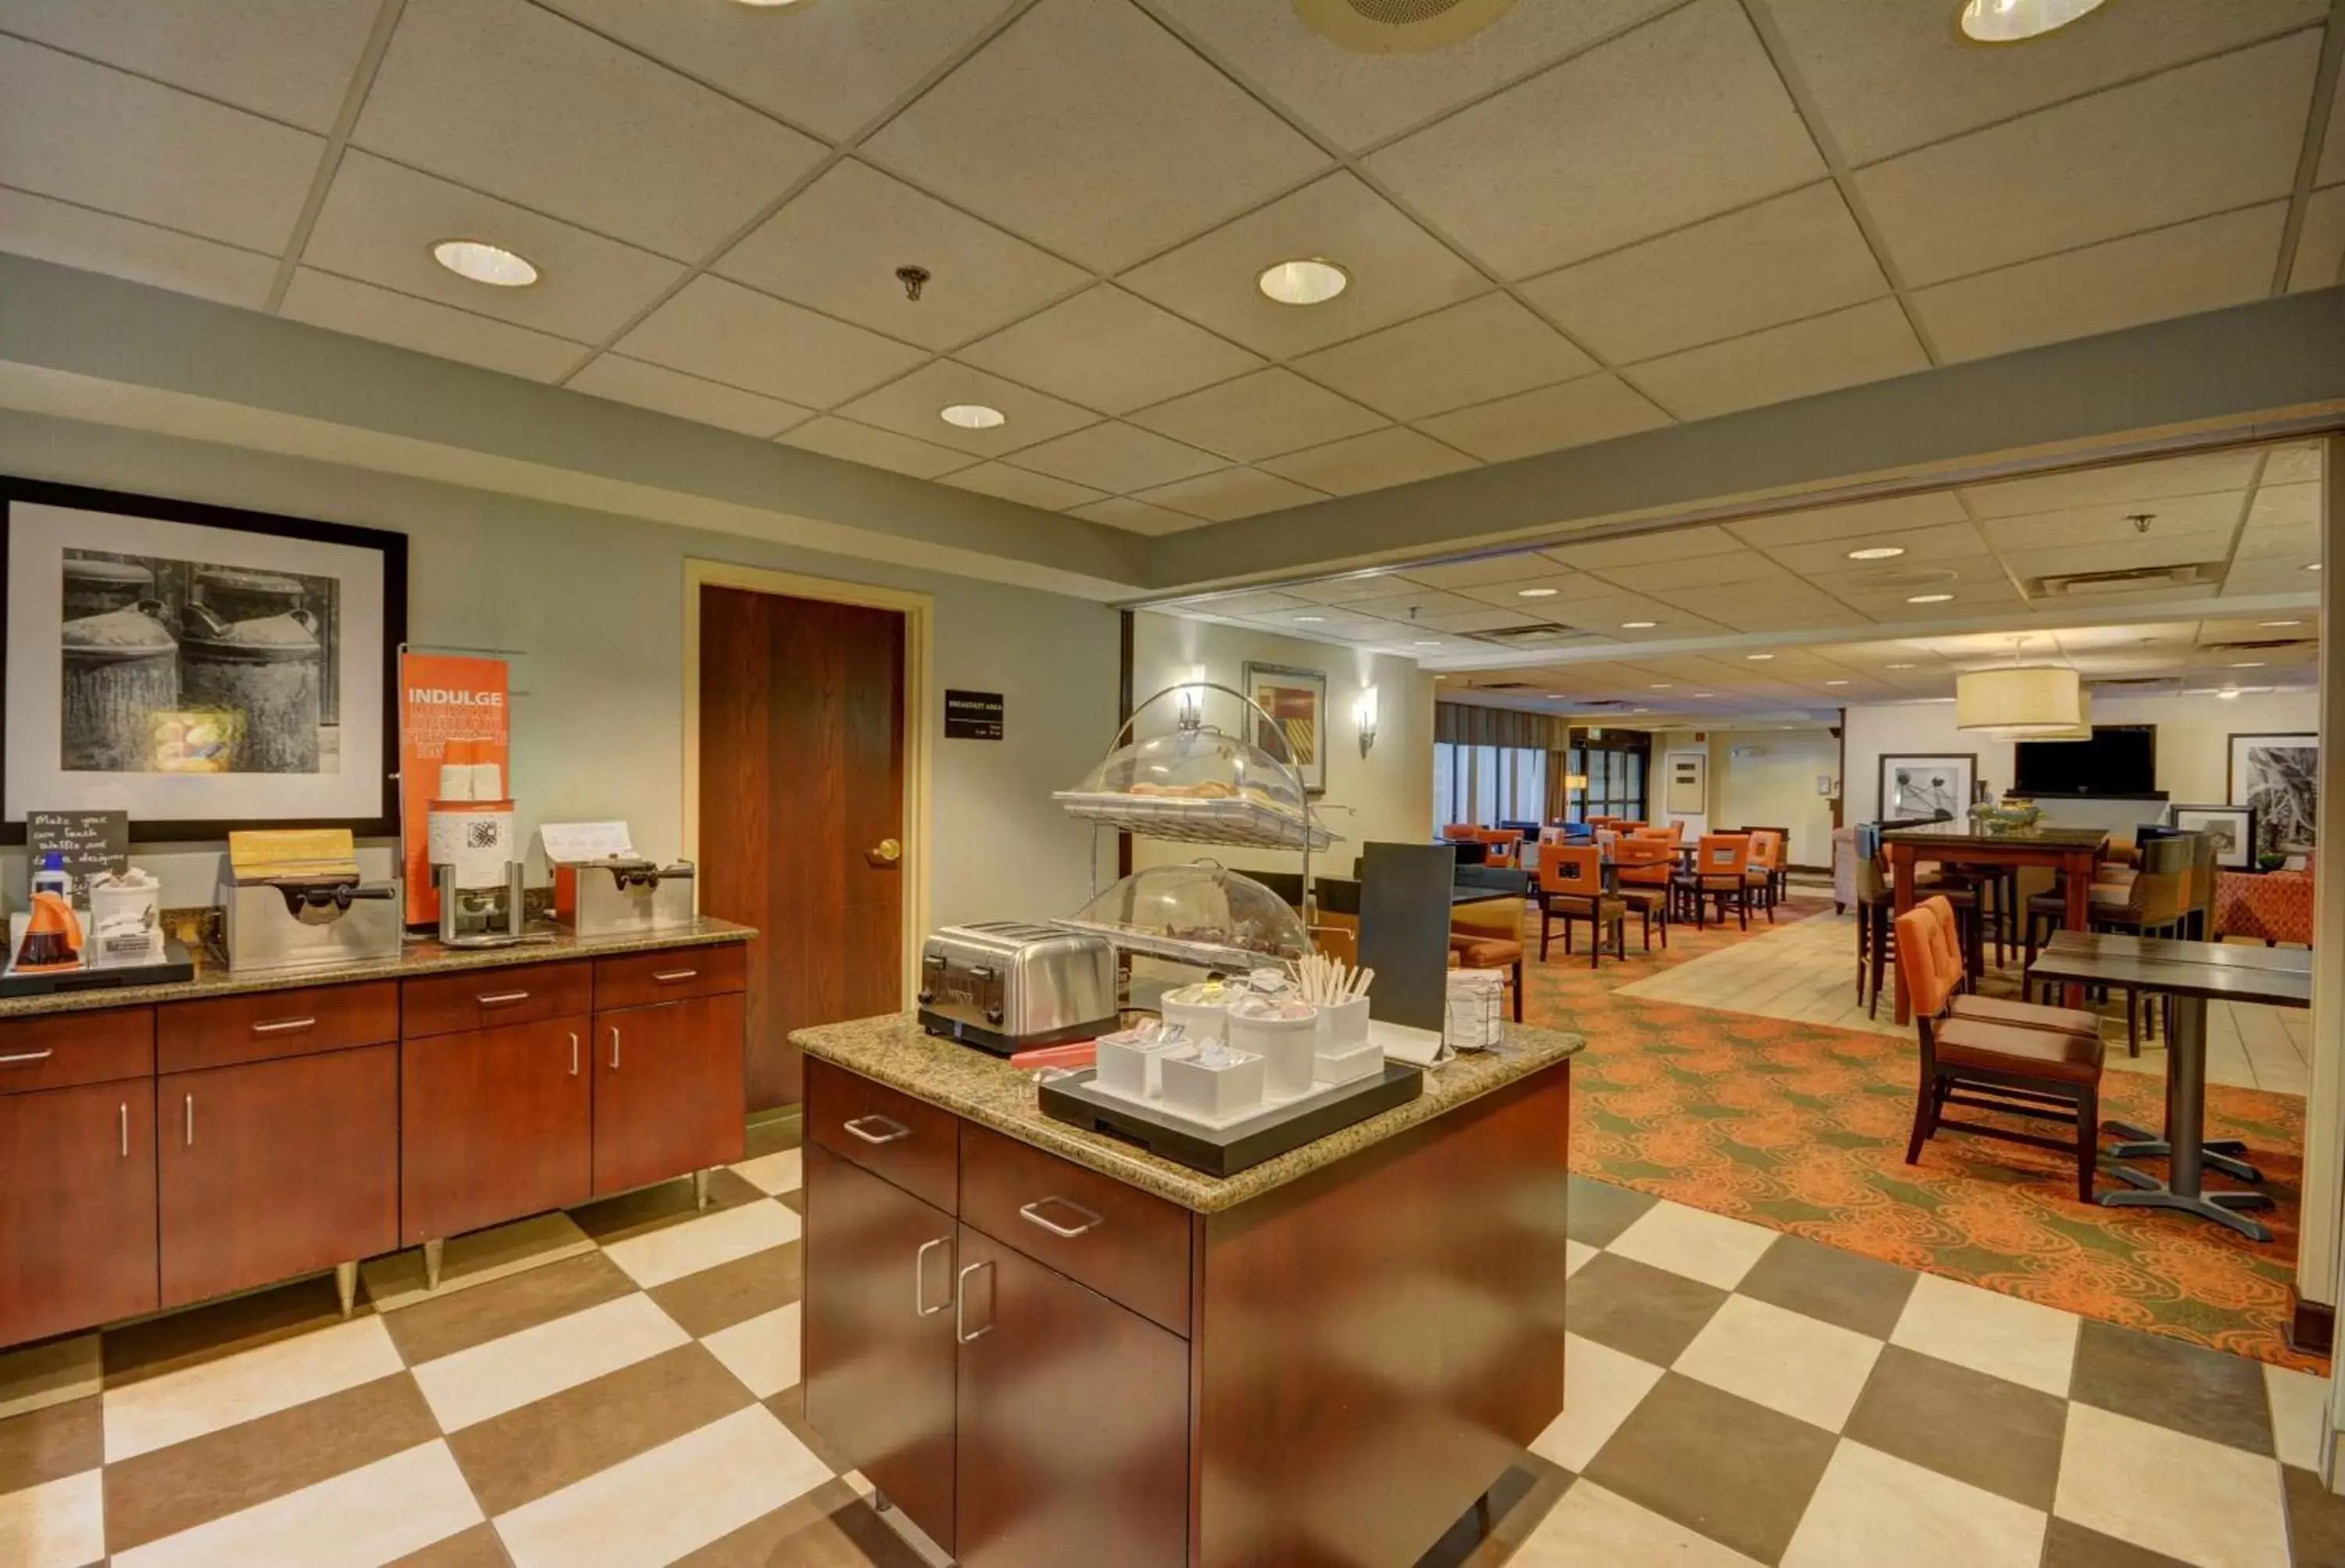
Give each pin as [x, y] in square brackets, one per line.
[2130, 683]
[1398, 26]
[2266, 644]
[2131, 580]
[1542, 635]
[1502, 686]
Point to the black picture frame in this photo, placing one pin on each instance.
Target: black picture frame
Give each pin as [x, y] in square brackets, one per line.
[1891, 761]
[2296, 828]
[2241, 857]
[150, 829]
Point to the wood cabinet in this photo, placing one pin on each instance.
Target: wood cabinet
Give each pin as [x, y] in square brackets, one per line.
[668, 1091]
[76, 1207]
[271, 1169]
[877, 1327]
[1045, 1477]
[493, 1123]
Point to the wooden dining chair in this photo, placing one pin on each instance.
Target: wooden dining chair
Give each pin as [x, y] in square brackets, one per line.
[2014, 1069]
[1570, 889]
[1643, 864]
[1721, 864]
[1764, 877]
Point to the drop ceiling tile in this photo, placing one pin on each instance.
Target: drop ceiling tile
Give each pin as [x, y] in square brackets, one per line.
[1533, 572]
[1111, 351]
[1969, 599]
[2291, 464]
[1593, 408]
[843, 437]
[724, 332]
[2202, 138]
[1485, 349]
[1852, 521]
[1679, 120]
[2112, 522]
[2202, 265]
[528, 106]
[1351, 591]
[364, 310]
[1355, 97]
[1266, 603]
[2284, 505]
[1641, 549]
[1863, 343]
[2320, 248]
[1136, 516]
[1490, 572]
[1888, 78]
[1119, 458]
[288, 60]
[664, 390]
[1824, 557]
[836, 245]
[1231, 494]
[1783, 259]
[1664, 571]
[1260, 415]
[1029, 489]
[1375, 461]
[1089, 128]
[99, 137]
[1483, 618]
[1409, 604]
[1608, 617]
[1397, 269]
[1780, 608]
[2331, 168]
[379, 221]
[2131, 554]
[2203, 474]
[829, 68]
[100, 243]
[910, 407]
[2279, 540]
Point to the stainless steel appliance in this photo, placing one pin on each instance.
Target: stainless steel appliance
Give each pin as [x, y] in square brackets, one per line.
[491, 916]
[304, 922]
[627, 894]
[1006, 986]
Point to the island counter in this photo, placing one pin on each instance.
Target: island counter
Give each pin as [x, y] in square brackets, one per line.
[1052, 1349]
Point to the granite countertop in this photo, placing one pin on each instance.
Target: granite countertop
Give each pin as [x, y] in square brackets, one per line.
[546, 944]
[894, 1050]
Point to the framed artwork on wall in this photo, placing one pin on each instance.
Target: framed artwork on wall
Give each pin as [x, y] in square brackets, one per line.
[2279, 775]
[1686, 790]
[1929, 789]
[2233, 829]
[203, 668]
[1296, 701]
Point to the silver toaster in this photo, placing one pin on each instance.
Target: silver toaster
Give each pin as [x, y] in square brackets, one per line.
[1006, 986]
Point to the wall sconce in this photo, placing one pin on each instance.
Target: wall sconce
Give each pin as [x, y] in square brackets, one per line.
[1191, 702]
[1364, 713]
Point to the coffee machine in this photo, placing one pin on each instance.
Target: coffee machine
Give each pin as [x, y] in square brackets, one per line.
[474, 865]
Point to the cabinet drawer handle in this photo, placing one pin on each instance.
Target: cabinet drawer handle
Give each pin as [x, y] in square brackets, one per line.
[285, 1026]
[615, 1047]
[921, 1279]
[574, 1053]
[191, 1121]
[960, 1301]
[861, 1127]
[675, 976]
[22, 1056]
[125, 1114]
[500, 998]
[1034, 1217]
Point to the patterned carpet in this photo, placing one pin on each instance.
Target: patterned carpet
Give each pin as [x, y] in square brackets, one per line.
[1802, 1127]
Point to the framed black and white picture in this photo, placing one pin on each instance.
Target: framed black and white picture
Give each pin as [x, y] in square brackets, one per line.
[1927, 788]
[2279, 775]
[201, 668]
[1296, 701]
[2233, 829]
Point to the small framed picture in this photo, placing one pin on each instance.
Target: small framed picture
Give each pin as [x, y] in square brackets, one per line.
[1296, 701]
[2233, 829]
[1927, 788]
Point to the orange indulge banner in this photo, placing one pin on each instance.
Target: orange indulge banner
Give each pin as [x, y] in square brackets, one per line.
[451, 709]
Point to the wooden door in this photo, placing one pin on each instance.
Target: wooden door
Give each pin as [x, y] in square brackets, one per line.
[1073, 1422]
[495, 1124]
[76, 1207]
[876, 1333]
[801, 792]
[271, 1169]
[668, 1091]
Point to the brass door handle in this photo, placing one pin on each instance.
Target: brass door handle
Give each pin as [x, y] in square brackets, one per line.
[886, 852]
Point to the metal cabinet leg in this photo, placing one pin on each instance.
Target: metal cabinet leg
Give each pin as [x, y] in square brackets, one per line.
[700, 1188]
[346, 1285]
[431, 1250]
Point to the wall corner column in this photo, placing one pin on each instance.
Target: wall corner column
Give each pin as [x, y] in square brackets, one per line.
[2321, 1254]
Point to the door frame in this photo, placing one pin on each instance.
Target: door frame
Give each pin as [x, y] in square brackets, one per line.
[918, 611]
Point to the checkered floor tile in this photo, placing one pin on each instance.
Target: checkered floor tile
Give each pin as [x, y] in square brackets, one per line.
[618, 1387]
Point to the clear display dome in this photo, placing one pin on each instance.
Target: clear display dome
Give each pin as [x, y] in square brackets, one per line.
[1201, 914]
[1199, 785]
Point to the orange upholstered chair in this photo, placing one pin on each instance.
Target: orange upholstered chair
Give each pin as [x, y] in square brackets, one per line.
[1643, 864]
[1502, 848]
[2046, 1074]
[1721, 864]
[1764, 878]
[1571, 888]
[1459, 833]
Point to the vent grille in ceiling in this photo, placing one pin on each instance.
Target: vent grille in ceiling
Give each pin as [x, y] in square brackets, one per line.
[2131, 580]
[1398, 26]
[1544, 634]
[2264, 645]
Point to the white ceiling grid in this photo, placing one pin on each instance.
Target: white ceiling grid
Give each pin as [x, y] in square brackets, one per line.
[1765, 199]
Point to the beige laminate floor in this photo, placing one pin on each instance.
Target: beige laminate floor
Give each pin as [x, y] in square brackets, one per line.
[1806, 971]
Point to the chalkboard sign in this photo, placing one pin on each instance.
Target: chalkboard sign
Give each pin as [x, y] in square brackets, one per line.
[972, 716]
[90, 842]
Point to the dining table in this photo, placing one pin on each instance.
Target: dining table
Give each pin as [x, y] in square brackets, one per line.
[2192, 973]
[2071, 851]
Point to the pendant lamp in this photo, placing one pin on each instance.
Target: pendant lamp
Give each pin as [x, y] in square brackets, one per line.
[2021, 702]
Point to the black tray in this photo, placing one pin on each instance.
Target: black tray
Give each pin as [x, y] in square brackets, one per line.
[1225, 1151]
[176, 966]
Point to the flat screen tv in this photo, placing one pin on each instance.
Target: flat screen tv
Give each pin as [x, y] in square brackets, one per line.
[2120, 760]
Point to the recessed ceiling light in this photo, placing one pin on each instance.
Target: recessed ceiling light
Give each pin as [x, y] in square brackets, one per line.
[1639, 625]
[2314, 567]
[1535, 593]
[1661, 686]
[1428, 642]
[484, 263]
[1640, 710]
[2248, 664]
[1307, 281]
[1757, 657]
[2283, 622]
[1310, 617]
[2016, 21]
[1877, 552]
[972, 415]
[1835, 683]
[2231, 696]
[1441, 678]
[1901, 666]
[1927, 598]
[766, 4]
[1705, 694]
